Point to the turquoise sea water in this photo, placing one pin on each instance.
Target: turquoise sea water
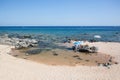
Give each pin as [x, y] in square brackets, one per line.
[108, 33]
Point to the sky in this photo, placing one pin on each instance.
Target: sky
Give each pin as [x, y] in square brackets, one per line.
[59, 12]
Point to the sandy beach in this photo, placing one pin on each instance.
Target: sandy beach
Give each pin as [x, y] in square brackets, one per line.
[13, 68]
[59, 39]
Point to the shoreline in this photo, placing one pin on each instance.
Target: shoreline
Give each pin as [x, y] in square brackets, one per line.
[59, 57]
[65, 57]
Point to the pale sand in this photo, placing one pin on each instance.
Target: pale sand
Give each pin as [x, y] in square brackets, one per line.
[12, 68]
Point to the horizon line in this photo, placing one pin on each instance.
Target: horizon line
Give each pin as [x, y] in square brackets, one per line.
[55, 26]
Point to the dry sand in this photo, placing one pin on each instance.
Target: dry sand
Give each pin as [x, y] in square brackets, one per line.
[12, 68]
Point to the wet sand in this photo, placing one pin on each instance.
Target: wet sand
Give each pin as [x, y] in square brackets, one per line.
[66, 57]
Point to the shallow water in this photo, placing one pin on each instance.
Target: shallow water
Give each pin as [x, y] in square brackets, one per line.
[65, 57]
[48, 36]
[60, 33]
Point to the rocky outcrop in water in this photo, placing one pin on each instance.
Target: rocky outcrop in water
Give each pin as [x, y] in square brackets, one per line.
[17, 42]
[24, 43]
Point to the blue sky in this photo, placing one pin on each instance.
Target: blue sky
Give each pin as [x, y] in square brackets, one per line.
[60, 12]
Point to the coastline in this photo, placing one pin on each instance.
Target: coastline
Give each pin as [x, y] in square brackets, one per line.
[22, 69]
[65, 56]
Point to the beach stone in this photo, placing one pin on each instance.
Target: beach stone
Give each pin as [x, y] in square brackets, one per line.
[116, 62]
[75, 56]
[108, 67]
[15, 55]
[79, 58]
[110, 60]
[87, 60]
[105, 64]
[54, 53]
[100, 64]
[26, 54]
[25, 58]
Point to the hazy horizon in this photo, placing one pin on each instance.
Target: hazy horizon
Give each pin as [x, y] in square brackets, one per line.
[59, 13]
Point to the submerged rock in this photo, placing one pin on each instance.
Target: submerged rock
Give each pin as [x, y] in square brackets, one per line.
[35, 51]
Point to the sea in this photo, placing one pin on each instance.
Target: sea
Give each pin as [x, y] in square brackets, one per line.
[60, 33]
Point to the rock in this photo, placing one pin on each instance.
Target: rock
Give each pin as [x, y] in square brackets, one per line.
[117, 33]
[55, 54]
[15, 55]
[108, 67]
[34, 41]
[17, 42]
[110, 60]
[35, 51]
[27, 36]
[99, 64]
[108, 64]
[116, 62]
[26, 54]
[75, 56]
[97, 36]
[85, 34]
[93, 40]
[79, 58]
[87, 60]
